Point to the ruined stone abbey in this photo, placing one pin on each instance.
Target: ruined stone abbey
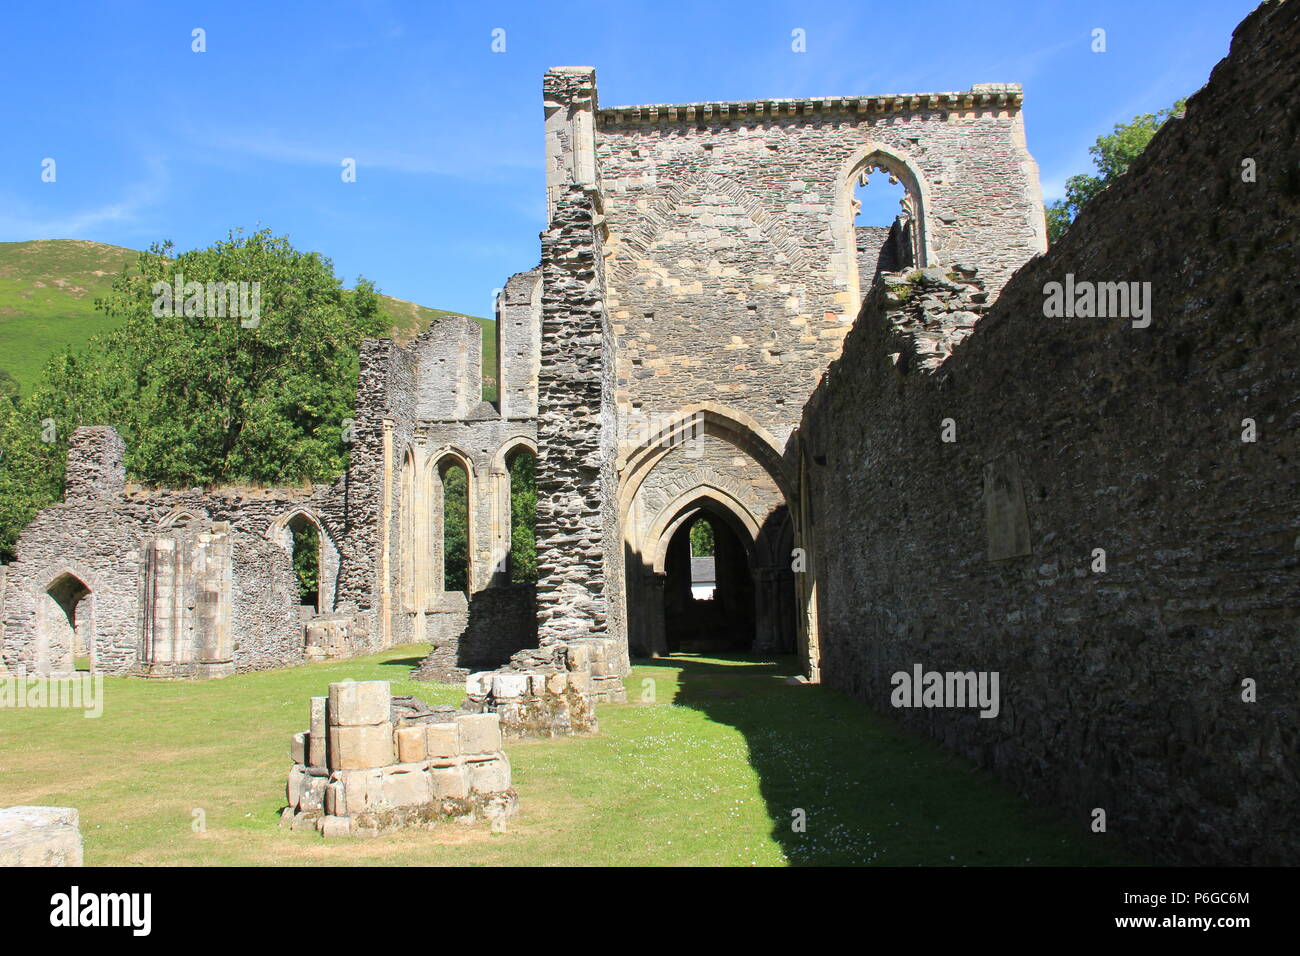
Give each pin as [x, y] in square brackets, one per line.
[902, 459]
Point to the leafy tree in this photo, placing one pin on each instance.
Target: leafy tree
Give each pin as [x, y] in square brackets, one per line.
[701, 538]
[523, 518]
[8, 388]
[201, 399]
[455, 529]
[306, 561]
[1112, 155]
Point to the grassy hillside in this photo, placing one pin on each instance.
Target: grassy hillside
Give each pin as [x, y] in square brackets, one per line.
[48, 289]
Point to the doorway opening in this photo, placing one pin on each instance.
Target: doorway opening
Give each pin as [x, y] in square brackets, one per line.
[708, 588]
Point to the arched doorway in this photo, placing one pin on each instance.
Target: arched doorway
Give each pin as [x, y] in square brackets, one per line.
[708, 587]
[67, 626]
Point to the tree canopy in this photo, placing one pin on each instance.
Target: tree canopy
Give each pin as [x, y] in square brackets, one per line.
[203, 390]
[1112, 154]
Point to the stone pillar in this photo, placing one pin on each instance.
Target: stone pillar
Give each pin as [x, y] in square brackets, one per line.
[579, 547]
[569, 95]
[187, 605]
[96, 465]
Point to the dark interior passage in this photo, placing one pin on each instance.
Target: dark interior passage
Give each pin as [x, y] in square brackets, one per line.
[724, 622]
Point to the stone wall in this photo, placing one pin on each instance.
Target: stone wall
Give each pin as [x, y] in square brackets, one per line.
[1126, 676]
[734, 267]
[519, 346]
[550, 691]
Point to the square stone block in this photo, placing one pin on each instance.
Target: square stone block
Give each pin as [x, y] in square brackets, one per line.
[557, 683]
[449, 782]
[359, 703]
[536, 685]
[489, 776]
[359, 748]
[298, 748]
[312, 796]
[577, 656]
[334, 826]
[411, 747]
[441, 740]
[359, 790]
[478, 733]
[40, 836]
[509, 686]
[580, 682]
[479, 685]
[317, 750]
[409, 788]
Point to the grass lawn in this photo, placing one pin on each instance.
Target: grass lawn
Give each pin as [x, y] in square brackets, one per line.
[707, 770]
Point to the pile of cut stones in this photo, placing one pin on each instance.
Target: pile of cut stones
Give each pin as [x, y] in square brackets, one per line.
[549, 691]
[373, 763]
[936, 308]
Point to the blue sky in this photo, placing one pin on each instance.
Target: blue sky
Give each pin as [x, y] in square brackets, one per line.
[153, 141]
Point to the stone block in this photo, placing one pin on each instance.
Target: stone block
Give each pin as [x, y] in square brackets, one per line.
[298, 748]
[293, 789]
[359, 703]
[478, 733]
[479, 685]
[358, 748]
[336, 799]
[411, 743]
[557, 683]
[489, 776]
[449, 782]
[334, 826]
[509, 686]
[407, 787]
[317, 735]
[577, 657]
[441, 740]
[40, 836]
[580, 682]
[360, 790]
[312, 794]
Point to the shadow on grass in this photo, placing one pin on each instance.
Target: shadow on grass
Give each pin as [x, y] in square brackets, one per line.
[846, 786]
[407, 662]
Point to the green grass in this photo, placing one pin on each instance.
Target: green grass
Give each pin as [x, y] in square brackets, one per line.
[48, 289]
[705, 771]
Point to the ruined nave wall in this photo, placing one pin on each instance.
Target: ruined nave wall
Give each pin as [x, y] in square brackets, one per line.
[1120, 689]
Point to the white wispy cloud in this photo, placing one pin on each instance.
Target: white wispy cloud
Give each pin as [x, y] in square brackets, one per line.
[21, 220]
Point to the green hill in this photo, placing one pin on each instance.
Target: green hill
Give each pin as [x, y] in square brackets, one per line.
[48, 289]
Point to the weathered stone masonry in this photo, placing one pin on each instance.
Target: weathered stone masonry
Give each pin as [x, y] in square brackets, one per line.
[687, 347]
[1120, 690]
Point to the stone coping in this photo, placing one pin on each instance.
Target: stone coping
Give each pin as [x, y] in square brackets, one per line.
[980, 96]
